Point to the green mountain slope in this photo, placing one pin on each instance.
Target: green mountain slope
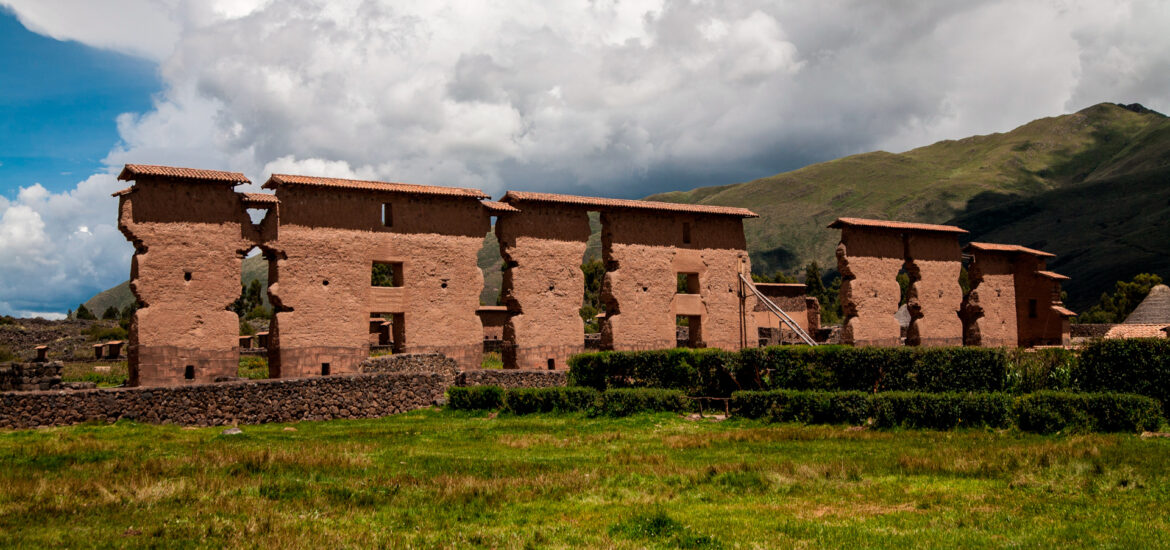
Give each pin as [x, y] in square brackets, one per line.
[1086, 186]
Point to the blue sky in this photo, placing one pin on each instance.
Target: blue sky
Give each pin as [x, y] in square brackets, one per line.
[59, 104]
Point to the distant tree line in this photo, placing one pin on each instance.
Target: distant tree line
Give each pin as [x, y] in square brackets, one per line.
[1116, 306]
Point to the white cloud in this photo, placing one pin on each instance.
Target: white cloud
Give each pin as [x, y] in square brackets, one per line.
[612, 96]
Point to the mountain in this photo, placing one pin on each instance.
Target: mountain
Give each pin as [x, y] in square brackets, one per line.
[1092, 187]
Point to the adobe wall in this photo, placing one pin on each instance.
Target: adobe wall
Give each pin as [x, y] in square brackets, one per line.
[644, 252]
[990, 307]
[189, 240]
[493, 319]
[1047, 328]
[543, 286]
[321, 287]
[869, 261]
[244, 402]
[933, 262]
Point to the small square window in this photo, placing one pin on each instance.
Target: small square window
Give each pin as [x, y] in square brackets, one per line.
[386, 274]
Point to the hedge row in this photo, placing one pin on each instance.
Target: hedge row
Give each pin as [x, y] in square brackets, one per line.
[1043, 412]
[618, 402]
[717, 373]
[1140, 366]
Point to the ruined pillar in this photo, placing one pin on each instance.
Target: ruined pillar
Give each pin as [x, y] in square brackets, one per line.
[189, 230]
[543, 288]
[934, 262]
[989, 310]
[869, 260]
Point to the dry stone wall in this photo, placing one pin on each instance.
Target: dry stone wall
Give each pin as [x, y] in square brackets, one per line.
[512, 378]
[30, 376]
[248, 402]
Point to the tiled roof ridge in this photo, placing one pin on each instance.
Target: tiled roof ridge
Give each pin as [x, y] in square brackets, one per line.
[997, 247]
[134, 171]
[276, 180]
[601, 202]
[887, 224]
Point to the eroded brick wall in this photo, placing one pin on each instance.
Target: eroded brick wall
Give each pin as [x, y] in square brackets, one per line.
[543, 286]
[645, 251]
[869, 261]
[990, 307]
[933, 262]
[329, 240]
[189, 240]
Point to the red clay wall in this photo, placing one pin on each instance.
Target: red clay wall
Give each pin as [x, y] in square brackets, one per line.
[180, 228]
[934, 261]
[329, 239]
[791, 299]
[645, 251]
[869, 261]
[990, 307]
[1047, 327]
[543, 286]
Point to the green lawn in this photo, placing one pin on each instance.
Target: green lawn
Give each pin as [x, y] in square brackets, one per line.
[446, 479]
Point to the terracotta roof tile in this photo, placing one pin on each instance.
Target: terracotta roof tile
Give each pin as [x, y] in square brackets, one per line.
[277, 180]
[1052, 275]
[604, 203]
[259, 198]
[883, 224]
[134, 171]
[1134, 331]
[125, 191]
[499, 207]
[1064, 311]
[994, 247]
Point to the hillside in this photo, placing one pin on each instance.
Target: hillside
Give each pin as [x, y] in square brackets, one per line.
[1092, 187]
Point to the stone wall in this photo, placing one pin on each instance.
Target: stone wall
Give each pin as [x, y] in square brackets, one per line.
[512, 378]
[247, 402]
[411, 363]
[933, 262]
[990, 307]
[30, 376]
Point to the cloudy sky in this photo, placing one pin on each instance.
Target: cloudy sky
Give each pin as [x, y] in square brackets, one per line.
[617, 98]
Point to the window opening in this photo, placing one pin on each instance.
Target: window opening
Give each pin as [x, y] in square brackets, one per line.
[686, 233]
[189, 372]
[386, 274]
[387, 214]
[324, 369]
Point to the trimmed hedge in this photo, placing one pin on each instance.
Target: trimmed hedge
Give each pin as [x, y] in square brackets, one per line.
[543, 400]
[471, 398]
[809, 407]
[715, 373]
[1140, 365]
[942, 411]
[1049, 412]
[1043, 412]
[627, 401]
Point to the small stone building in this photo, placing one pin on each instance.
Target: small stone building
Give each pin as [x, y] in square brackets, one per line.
[870, 256]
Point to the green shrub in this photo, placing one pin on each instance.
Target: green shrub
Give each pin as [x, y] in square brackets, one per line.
[537, 400]
[942, 411]
[809, 407]
[1140, 365]
[6, 355]
[253, 367]
[1050, 412]
[470, 398]
[627, 401]
[1040, 369]
[100, 333]
[715, 373]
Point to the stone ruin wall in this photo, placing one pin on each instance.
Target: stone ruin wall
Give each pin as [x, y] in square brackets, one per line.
[329, 240]
[869, 261]
[990, 307]
[934, 262]
[644, 252]
[543, 286]
[189, 241]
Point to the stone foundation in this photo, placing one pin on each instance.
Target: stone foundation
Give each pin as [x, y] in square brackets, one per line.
[30, 376]
[512, 378]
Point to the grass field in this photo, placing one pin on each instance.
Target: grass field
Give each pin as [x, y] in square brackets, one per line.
[446, 479]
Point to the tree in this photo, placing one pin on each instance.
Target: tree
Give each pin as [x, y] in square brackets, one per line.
[827, 295]
[110, 313]
[777, 277]
[591, 304]
[84, 313]
[1114, 308]
[250, 297]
